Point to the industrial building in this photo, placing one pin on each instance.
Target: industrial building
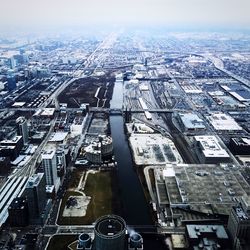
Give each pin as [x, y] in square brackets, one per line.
[239, 224]
[110, 233]
[209, 150]
[153, 149]
[223, 122]
[191, 122]
[198, 192]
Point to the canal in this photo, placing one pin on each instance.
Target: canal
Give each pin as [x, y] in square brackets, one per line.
[136, 209]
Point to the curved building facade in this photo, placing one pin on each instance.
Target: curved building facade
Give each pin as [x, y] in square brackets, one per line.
[110, 233]
[84, 242]
[107, 146]
[135, 242]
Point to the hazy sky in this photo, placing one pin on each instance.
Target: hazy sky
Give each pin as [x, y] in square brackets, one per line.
[80, 12]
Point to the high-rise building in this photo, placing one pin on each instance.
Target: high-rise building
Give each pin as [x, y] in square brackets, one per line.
[11, 148]
[4, 165]
[23, 129]
[61, 159]
[239, 224]
[18, 212]
[35, 192]
[110, 232]
[12, 62]
[11, 82]
[49, 163]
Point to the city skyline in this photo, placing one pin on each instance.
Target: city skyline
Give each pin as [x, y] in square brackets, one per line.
[178, 13]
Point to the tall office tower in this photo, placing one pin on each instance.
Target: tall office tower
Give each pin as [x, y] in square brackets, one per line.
[23, 129]
[11, 82]
[61, 159]
[50, 167]
[35, 192]
[12, 62]
[239, 224]
[110, 232]
[18, 212]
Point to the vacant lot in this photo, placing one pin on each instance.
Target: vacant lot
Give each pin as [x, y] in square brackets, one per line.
[84, 90]
[99, 188]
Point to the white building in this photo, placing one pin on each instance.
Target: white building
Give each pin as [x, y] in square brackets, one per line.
[50, 167]
[99, 149]
[93, 153]
[223, 122]
[191, 122]
[209, 150]
[23, 129]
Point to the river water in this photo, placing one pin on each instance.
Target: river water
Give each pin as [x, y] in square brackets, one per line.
[135, 206]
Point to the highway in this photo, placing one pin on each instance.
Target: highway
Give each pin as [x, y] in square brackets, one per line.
[218, 63]
[50, 230]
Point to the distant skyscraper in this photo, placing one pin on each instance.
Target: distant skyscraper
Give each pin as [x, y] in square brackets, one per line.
[12, 62]
[11, 82]
[35, 192]
[23, 129]
[49, 162]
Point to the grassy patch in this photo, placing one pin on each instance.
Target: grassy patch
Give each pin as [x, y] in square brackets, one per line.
[98, 187]
[61, 242]
[75, 178]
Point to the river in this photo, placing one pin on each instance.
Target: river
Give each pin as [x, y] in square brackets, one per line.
[136, 211]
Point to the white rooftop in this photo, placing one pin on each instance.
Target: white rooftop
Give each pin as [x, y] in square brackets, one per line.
[221, 121]
[191, 121]
[18, 104]
[58, 136]
[211, 147]
[48, 152]
[48, 112]
[168, 172]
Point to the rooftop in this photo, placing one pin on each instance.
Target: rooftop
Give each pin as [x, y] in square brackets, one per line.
[192, 121]
[48, 112]
[48, 152]
[196, 231]
[221, 121]
[151, 149]
[210, 146]
[34, 180]
[110, 225]
[11, 141]
[58, 136]
[207, 188]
